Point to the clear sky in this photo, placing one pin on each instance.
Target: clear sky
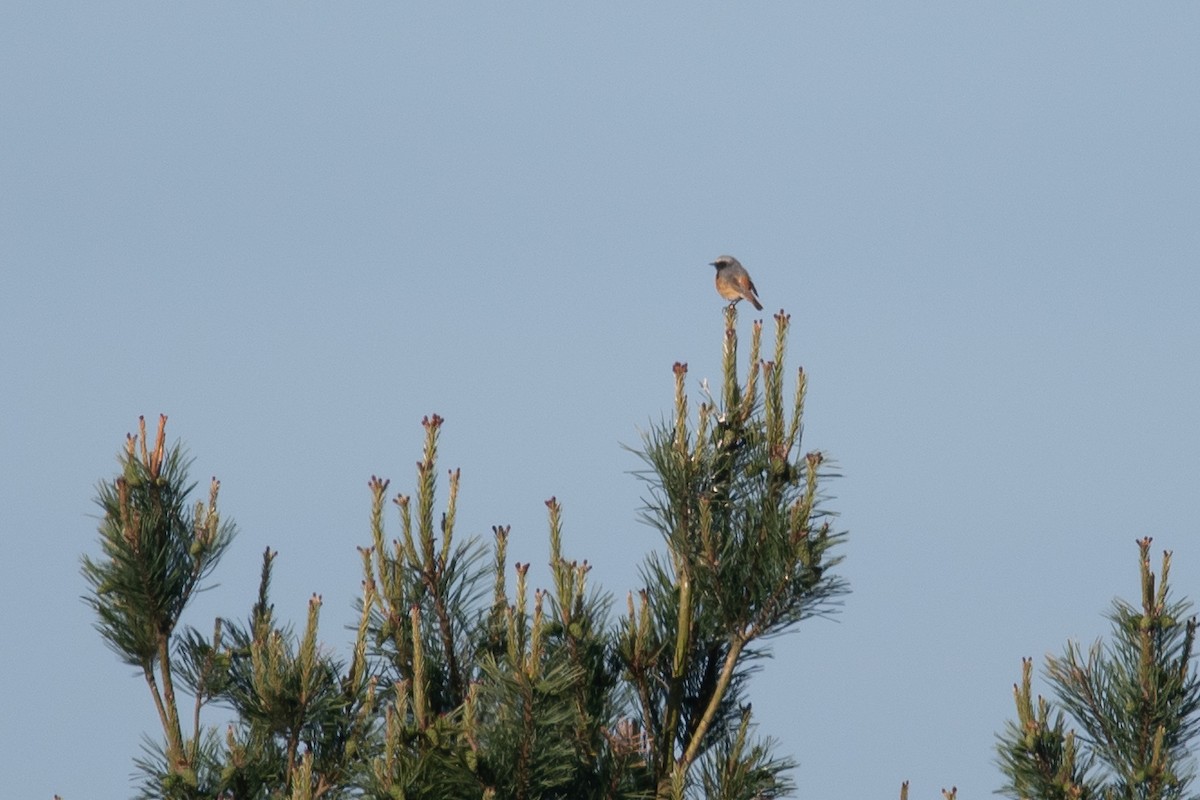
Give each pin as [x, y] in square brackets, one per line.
[298, 228]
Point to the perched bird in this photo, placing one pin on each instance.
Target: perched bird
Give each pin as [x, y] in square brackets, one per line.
[733, 282]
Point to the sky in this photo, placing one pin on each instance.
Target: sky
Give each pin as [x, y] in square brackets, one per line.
[296, 229]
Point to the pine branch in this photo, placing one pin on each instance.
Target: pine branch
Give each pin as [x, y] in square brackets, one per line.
[710, 709]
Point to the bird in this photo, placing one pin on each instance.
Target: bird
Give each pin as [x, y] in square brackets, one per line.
[733, 282]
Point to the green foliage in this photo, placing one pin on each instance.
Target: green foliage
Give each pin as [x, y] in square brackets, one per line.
[741, 769]
[457, 687]
[1134, 699]
[749, 554]
[156, 550]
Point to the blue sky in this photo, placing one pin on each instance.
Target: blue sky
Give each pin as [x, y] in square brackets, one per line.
[297, 229]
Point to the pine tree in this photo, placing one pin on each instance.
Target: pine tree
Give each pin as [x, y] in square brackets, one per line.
[157, 549]
[1123, 714]
[457, 687]
[748, 556]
